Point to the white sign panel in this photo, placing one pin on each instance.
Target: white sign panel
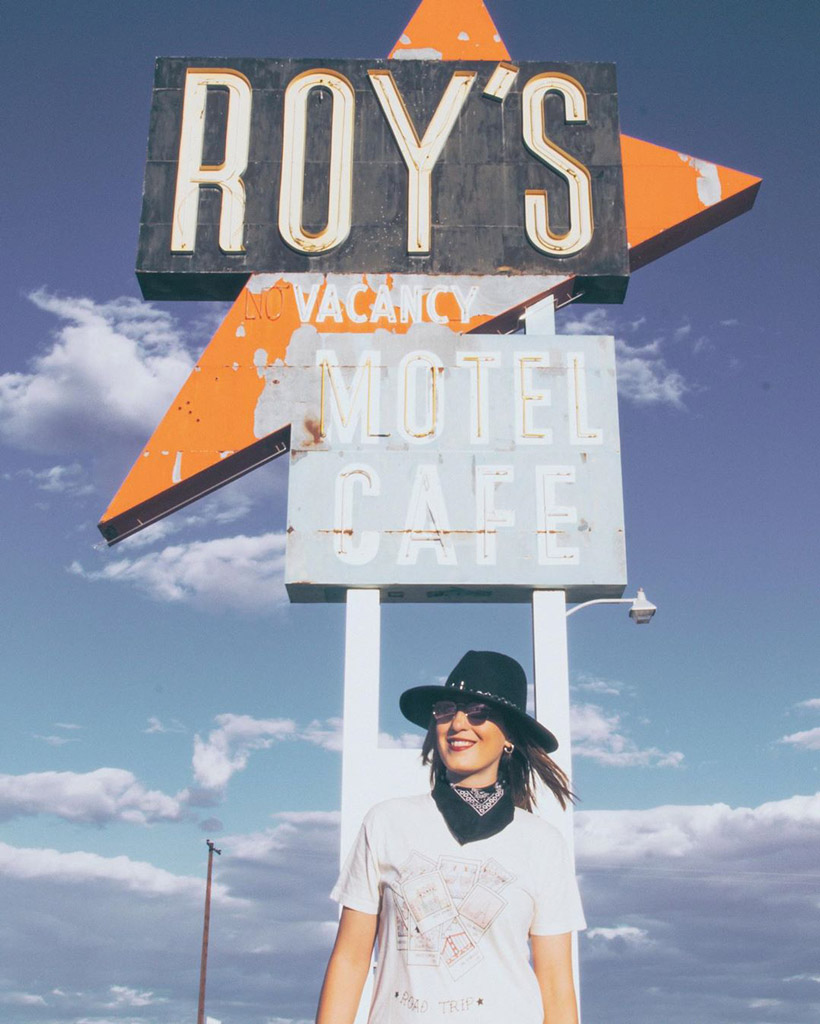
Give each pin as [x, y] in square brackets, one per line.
[439, 466]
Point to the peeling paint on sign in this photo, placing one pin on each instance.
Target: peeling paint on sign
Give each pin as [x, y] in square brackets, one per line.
[708, 185]
[438, 460]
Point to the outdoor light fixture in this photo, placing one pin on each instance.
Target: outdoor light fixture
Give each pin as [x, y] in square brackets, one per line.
[640, 611]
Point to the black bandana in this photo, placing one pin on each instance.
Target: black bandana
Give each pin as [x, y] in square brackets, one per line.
[473, 814]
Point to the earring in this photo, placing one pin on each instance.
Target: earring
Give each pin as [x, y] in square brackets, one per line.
[509, 748]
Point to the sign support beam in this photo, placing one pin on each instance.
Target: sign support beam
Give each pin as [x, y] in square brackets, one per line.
[360, 729]
[551, 676]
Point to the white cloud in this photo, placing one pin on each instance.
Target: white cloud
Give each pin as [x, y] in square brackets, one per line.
[66, 725]
[122, 995]
[327, 734]
[114, 794]
[622, 934]
[21, 999]
[69, 480]
[109, 1020]
[595, 320]
[809, 705]
[112, 367]
[103, 795]
[772, 831]
[595, 684]
[80, 920]
[55, 741]
[155, 725]
[599, 737]
[309, 817]
[228, 747]
[243, 573]
[807, 740]
[645, 378]
[726, 898]
[44, 866]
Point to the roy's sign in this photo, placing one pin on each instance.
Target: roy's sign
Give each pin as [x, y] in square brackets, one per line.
[434, 465]
[445, 186]
[403, 166]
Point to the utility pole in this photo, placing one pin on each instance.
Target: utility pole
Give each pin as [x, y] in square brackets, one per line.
[200, 1017]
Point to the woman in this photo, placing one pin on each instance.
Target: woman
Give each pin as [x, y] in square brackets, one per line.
[459, 885]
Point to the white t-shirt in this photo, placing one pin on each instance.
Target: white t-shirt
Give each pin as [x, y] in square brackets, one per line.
[454, 920]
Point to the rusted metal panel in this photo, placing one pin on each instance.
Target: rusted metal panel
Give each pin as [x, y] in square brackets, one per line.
[444, 467]
[400, 166]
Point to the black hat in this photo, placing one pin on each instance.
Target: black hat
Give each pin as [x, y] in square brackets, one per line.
[486, 677]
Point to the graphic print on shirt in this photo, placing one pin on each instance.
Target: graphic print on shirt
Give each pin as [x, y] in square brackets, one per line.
[444, 908]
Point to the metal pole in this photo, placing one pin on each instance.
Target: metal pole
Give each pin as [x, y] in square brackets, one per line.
[360, 719]
[601, 600]
[360, 726]
[200, 1016]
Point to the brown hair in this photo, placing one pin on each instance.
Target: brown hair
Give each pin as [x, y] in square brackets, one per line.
[528, 760]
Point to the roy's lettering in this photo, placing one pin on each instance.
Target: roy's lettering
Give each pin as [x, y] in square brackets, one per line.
[381, 166]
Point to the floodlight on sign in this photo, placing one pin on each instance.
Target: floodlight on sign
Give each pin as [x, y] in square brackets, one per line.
[642, 610]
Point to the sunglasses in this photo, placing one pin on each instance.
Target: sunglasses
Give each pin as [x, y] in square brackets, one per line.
[476, 714]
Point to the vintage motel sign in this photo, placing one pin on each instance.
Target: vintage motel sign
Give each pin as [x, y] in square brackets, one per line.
[404, 166]
[447, 185]
[437, 466]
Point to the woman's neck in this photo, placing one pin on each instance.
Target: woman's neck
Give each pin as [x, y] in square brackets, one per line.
[475, 780]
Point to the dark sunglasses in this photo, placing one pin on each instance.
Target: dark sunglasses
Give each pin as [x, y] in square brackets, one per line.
[476, 714]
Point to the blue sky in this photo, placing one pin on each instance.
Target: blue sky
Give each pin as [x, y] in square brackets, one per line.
[165, 690]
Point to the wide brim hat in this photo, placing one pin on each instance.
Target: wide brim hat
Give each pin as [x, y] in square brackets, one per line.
[485, 677]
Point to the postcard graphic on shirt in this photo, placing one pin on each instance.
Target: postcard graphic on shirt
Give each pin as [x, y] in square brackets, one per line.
[423, 949]
[403, 919]
[459, 875]
[444, 909]
[416, 864]
[429, 900]
[494, 875]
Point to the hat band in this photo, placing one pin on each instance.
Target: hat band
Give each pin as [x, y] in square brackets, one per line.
[484, 693]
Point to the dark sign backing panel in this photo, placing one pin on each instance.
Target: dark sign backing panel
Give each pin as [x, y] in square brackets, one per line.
[478, 186]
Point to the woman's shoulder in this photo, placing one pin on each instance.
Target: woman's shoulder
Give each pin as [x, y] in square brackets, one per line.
[537, 828]
[399, 807]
